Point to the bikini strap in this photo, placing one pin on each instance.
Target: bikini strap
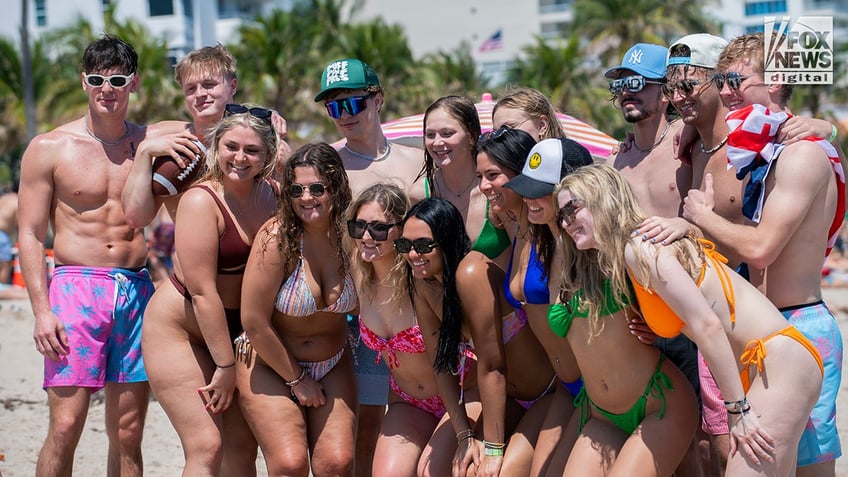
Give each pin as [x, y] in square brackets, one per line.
[716, 260]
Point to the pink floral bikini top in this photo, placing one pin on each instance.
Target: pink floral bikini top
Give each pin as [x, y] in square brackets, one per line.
[407, 341]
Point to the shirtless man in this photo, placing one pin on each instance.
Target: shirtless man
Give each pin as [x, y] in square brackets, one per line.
[787, 245]
[353, 98]
[659, 181]
[88, 324]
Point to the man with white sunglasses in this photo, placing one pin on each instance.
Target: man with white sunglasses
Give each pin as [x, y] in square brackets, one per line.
[88, 321]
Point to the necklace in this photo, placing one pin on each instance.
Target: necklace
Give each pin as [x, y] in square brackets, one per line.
[662, 136]
[109, 143]
[458, 194]
[386, 144]
[717, 146]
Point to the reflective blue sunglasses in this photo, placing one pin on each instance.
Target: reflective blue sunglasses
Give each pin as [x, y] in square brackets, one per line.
[353, 105]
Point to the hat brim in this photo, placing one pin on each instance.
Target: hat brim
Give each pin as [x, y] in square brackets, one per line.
[617, 72]
[351, 87]
[528, 187]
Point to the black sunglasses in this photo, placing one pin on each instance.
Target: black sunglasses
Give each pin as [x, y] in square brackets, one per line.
[421, 245]
[316, 189]
[117, 81]
[261, 113]
[633, 84]
[379, 231]
[493, 135]
[569, 210]
[353, 105]
[686, 87]
[734, 80]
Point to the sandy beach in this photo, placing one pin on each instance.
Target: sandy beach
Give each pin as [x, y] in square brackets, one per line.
[24, 413]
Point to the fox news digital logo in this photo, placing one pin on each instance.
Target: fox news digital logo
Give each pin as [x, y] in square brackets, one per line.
[799, 52]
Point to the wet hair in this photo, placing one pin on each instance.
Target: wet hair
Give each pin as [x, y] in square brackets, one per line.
[749, 48]
[108, 52]
[261, 127]
[509, 150]
[463, 110]
[394, 203]
[535, 105]
[615, 214]
[328, 164]
[212, 61]
[448, 228]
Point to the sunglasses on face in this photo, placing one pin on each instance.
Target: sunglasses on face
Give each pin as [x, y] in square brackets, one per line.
[734, 80]
[260, 113]
[379, 231]
[686, 87]
[569, 210]
[353, 105]
[117, 81]
[633, 84]
[421, 245]
[316, 189]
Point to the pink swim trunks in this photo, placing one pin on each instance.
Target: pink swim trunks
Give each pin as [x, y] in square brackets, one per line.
[101, 309]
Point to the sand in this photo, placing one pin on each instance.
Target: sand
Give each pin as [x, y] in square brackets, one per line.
[24, 413]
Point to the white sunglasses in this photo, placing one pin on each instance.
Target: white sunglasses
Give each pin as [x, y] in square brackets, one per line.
[117, 81]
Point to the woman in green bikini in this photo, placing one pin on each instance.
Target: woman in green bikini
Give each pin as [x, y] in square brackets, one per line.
[683, 287]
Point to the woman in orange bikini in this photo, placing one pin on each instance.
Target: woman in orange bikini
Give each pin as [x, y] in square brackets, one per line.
[685, 287]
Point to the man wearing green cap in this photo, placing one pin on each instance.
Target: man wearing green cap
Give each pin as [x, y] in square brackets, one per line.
[353, 97]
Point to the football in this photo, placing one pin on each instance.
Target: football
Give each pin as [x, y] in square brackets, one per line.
[169, 179]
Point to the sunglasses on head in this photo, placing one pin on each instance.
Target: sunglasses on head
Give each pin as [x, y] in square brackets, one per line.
[353, 105]
[493, 135]
[260, 113]
[685, 87]
[569, 210]
[633, 84]
[734, 80]
[117, 81]
[379, 231]
[421, 245]
[316, 189]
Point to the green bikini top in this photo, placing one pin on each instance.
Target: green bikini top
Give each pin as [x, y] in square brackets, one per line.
[492, 241]
[561, 315]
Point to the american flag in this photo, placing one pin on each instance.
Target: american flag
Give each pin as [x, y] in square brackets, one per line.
[493, 43]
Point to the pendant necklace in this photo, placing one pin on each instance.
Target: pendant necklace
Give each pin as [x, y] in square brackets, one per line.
[458, 194]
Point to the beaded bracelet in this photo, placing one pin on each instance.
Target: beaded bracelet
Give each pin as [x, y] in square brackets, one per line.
[833, 133]
[493, 449]
[227, 366]
[736, 407]
[297, 380]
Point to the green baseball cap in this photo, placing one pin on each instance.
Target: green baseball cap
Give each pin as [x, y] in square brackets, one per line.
[346, 74]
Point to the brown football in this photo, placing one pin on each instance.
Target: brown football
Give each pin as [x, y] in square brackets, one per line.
[169, 179]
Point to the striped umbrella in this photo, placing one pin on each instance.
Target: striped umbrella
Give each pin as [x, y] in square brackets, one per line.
[410, 129]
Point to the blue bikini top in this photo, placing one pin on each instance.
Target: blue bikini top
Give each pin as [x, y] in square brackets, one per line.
[535, 280]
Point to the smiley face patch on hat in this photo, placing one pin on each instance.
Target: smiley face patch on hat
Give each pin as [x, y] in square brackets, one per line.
[534, 161]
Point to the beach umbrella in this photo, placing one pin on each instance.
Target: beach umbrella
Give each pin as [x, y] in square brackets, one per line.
[410, 129]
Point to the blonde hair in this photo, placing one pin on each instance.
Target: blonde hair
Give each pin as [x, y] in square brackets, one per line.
[615, 214]
[394, 204]
[261, 127]
[536, 106]
[211, 60]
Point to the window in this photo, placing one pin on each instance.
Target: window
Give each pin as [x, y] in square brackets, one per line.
[765, 8]
[554, 30]
[40, 13]
[160, 8]
[554, 6]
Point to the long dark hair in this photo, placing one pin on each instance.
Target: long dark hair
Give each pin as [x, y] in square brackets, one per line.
[448, 230]
[509, 149]
[463, 110]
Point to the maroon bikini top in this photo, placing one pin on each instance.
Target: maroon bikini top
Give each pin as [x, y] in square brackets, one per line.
[232, 251]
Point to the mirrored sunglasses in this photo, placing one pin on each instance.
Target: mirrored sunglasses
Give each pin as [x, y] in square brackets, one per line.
[734, 80]
[117, 81]
[260, 113]
[686, 87]
[353, 105]
[633, 84]
[378, 231]
[569, 210]
[316, 189]
[421, 245]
